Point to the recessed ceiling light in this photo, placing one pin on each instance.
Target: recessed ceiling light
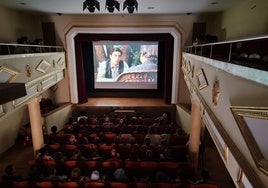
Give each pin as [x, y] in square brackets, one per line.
[23, 3]
[150, 8]
[214, 3]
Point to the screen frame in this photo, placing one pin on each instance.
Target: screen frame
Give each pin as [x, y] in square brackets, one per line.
[165, 59]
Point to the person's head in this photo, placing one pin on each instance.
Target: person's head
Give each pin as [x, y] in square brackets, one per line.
[76, 154]
[42, 151]
[54, 129]
[95, 176]
[72, 138]
[107, 119]
[147, 140]
[75, 173]
[58, 156]
[115, 56]
[10, 170]
[148, 53]
[113, 153]
[119, 174]
[121, 121]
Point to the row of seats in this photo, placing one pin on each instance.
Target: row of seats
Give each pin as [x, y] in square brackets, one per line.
[150, 129]
[177, 153]
[140, 169]
[109, 138]
[50, 184]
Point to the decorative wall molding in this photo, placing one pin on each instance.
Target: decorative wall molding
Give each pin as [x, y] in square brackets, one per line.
[7, 74]
[32, 91]
[222, 138]
[43, 66]
[252, 122]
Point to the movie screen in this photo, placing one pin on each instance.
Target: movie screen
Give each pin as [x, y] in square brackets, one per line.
[125, 64]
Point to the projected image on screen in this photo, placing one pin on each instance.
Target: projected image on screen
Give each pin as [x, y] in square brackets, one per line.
[125, 64]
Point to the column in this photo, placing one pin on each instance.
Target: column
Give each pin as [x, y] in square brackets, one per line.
[195, 130]
[36, 124]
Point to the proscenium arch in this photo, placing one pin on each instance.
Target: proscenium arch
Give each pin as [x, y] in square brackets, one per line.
[70, 45]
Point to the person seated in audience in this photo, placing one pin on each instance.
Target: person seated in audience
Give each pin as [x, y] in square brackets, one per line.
[163, 120]
[77, 155]
[121, 122]
[133, 156]
[95, 176]
[148, 156]
[114, 155]
[120, 175]
[72, 140]
[52, 139]
[43, 154]
[81, 139]
[161, 177]
[166, 155]
[116, 141]
[52, 175]
[22, 49]
[75, 175]
[60, 166]
[95, 156]
[107, 121]
[140, 129]
[10, 174]
[38, 49]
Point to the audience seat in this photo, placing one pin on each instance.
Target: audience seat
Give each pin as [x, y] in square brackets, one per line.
[68, 184]
[117, 185]
[46, 184]
[24, 184]
[161, 185]
[139, 185]
[94, 185]
[204, 185]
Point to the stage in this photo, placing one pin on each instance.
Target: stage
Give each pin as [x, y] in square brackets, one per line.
[151, 107]
[126, 102]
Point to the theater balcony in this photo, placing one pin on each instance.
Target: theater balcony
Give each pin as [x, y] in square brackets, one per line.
[228, 82]
[40, 74]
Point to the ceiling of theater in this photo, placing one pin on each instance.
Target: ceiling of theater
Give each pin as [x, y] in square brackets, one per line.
[144, 6]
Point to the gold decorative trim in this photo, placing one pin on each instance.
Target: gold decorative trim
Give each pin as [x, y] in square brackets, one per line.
[43, 66]
[258, 113]
[188, 67]
[240, 178]
[28, 70]
[192, 71]
[216, 92]
[221, 146]
[10, 74]
[48, 82]
[201, 79]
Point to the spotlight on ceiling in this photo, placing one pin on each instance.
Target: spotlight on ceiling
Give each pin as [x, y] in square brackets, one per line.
[130, 5]
[111, 4]
[91, 5]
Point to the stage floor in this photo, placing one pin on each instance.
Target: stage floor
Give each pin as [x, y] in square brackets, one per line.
[131, 102]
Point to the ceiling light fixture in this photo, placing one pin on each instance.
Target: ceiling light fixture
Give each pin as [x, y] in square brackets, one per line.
[130, 5]
[91, 5]
[111, 4]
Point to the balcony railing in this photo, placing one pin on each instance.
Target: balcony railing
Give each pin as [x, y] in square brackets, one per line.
[9, 49]
[250, 52]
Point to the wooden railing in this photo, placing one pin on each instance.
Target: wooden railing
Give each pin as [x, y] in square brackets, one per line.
[249, 52]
